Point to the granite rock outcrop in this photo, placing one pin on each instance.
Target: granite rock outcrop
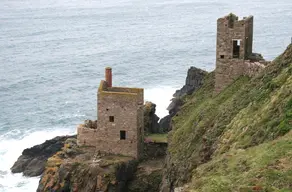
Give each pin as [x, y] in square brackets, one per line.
[194, 80]
[151, 124]
[33, 160]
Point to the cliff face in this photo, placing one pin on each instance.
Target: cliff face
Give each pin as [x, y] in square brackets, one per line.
[83, 169]
[238, 140]
[194, 80]
[64, 166]
[33, 160]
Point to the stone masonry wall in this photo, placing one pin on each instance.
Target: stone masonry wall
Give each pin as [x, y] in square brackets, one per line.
[230, 66]
[86, 136]
[140, 132]
[123, 107]
[117, 111]
[241, 30]
[227, 72]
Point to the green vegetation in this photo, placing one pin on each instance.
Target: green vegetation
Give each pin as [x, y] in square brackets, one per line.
[156, 138]
[238, 140]
[266, 167]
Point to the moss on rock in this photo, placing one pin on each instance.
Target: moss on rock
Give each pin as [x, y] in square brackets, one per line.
[81, 169]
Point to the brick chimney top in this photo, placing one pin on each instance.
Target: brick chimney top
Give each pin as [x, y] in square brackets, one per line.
[108, 76]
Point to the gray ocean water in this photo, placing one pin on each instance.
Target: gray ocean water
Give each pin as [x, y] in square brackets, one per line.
[53, 54]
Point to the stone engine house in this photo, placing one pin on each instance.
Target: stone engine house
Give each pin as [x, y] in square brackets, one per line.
[119, 128]
[234, 56]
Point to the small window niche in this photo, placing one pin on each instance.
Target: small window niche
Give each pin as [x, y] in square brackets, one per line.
[236, 48]
[221, 56]
[122, 135]
[111, 118]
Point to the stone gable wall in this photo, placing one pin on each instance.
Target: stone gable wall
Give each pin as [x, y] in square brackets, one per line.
[127, 113]
[228, 68]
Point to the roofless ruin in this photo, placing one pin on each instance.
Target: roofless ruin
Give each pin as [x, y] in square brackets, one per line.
[120, 127]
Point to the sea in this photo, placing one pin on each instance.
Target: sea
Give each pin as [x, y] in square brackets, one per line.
[53, 54]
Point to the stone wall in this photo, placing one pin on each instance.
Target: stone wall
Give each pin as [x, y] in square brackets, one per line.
[240, 30]
[230, 64]
[140, 131]
[86, 136]
[119, 128]
[123, 108]
[228, 71]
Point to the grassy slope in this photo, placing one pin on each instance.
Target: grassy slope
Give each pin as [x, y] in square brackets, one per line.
[238, 120]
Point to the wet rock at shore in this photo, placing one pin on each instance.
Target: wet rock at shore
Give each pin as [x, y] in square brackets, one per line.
[33, 160]
[86, 171]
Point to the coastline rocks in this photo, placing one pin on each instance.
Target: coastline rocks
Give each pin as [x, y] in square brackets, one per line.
[194, 81]
[165, 123]
[88, 171]
[148, 177]
[151, 124]
[174, 106]
[154, 151]
[32, 161]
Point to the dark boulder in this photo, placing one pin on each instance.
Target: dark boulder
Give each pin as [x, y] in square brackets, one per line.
[256, 57]
[194, 81]
[32, 161]
[164, 123]
[151, 124]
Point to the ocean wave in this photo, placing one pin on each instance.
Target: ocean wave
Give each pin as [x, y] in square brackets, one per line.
[161, 96]
[11, 149]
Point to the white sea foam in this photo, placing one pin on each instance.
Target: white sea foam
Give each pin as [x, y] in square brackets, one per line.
[161, 96]
[10, 150]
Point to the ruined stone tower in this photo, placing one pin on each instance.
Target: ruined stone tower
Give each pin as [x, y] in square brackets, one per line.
[234, 55]
[119, 128]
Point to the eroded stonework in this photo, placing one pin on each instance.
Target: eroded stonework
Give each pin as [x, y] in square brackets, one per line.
[234, 55]
[119, 128]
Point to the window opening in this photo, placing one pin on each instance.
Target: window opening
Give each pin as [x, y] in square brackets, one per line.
[236, 48]
[111, 118]
[122, 135]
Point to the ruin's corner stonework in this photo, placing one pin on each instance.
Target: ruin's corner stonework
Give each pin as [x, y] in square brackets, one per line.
[234, 56]
[119, 128]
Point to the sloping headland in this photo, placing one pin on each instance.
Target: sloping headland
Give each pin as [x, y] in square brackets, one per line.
[234, 136]
[238, 140]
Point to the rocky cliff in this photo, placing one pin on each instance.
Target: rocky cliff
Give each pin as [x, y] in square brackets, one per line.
[238, 140]
[150, 118]
[194, 80]
[33, 160]
[83, 169]
[65, 167]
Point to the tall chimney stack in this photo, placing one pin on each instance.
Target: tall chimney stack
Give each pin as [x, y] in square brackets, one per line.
[108, 76]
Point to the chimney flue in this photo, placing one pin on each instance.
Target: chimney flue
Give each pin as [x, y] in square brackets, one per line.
[108, 76]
